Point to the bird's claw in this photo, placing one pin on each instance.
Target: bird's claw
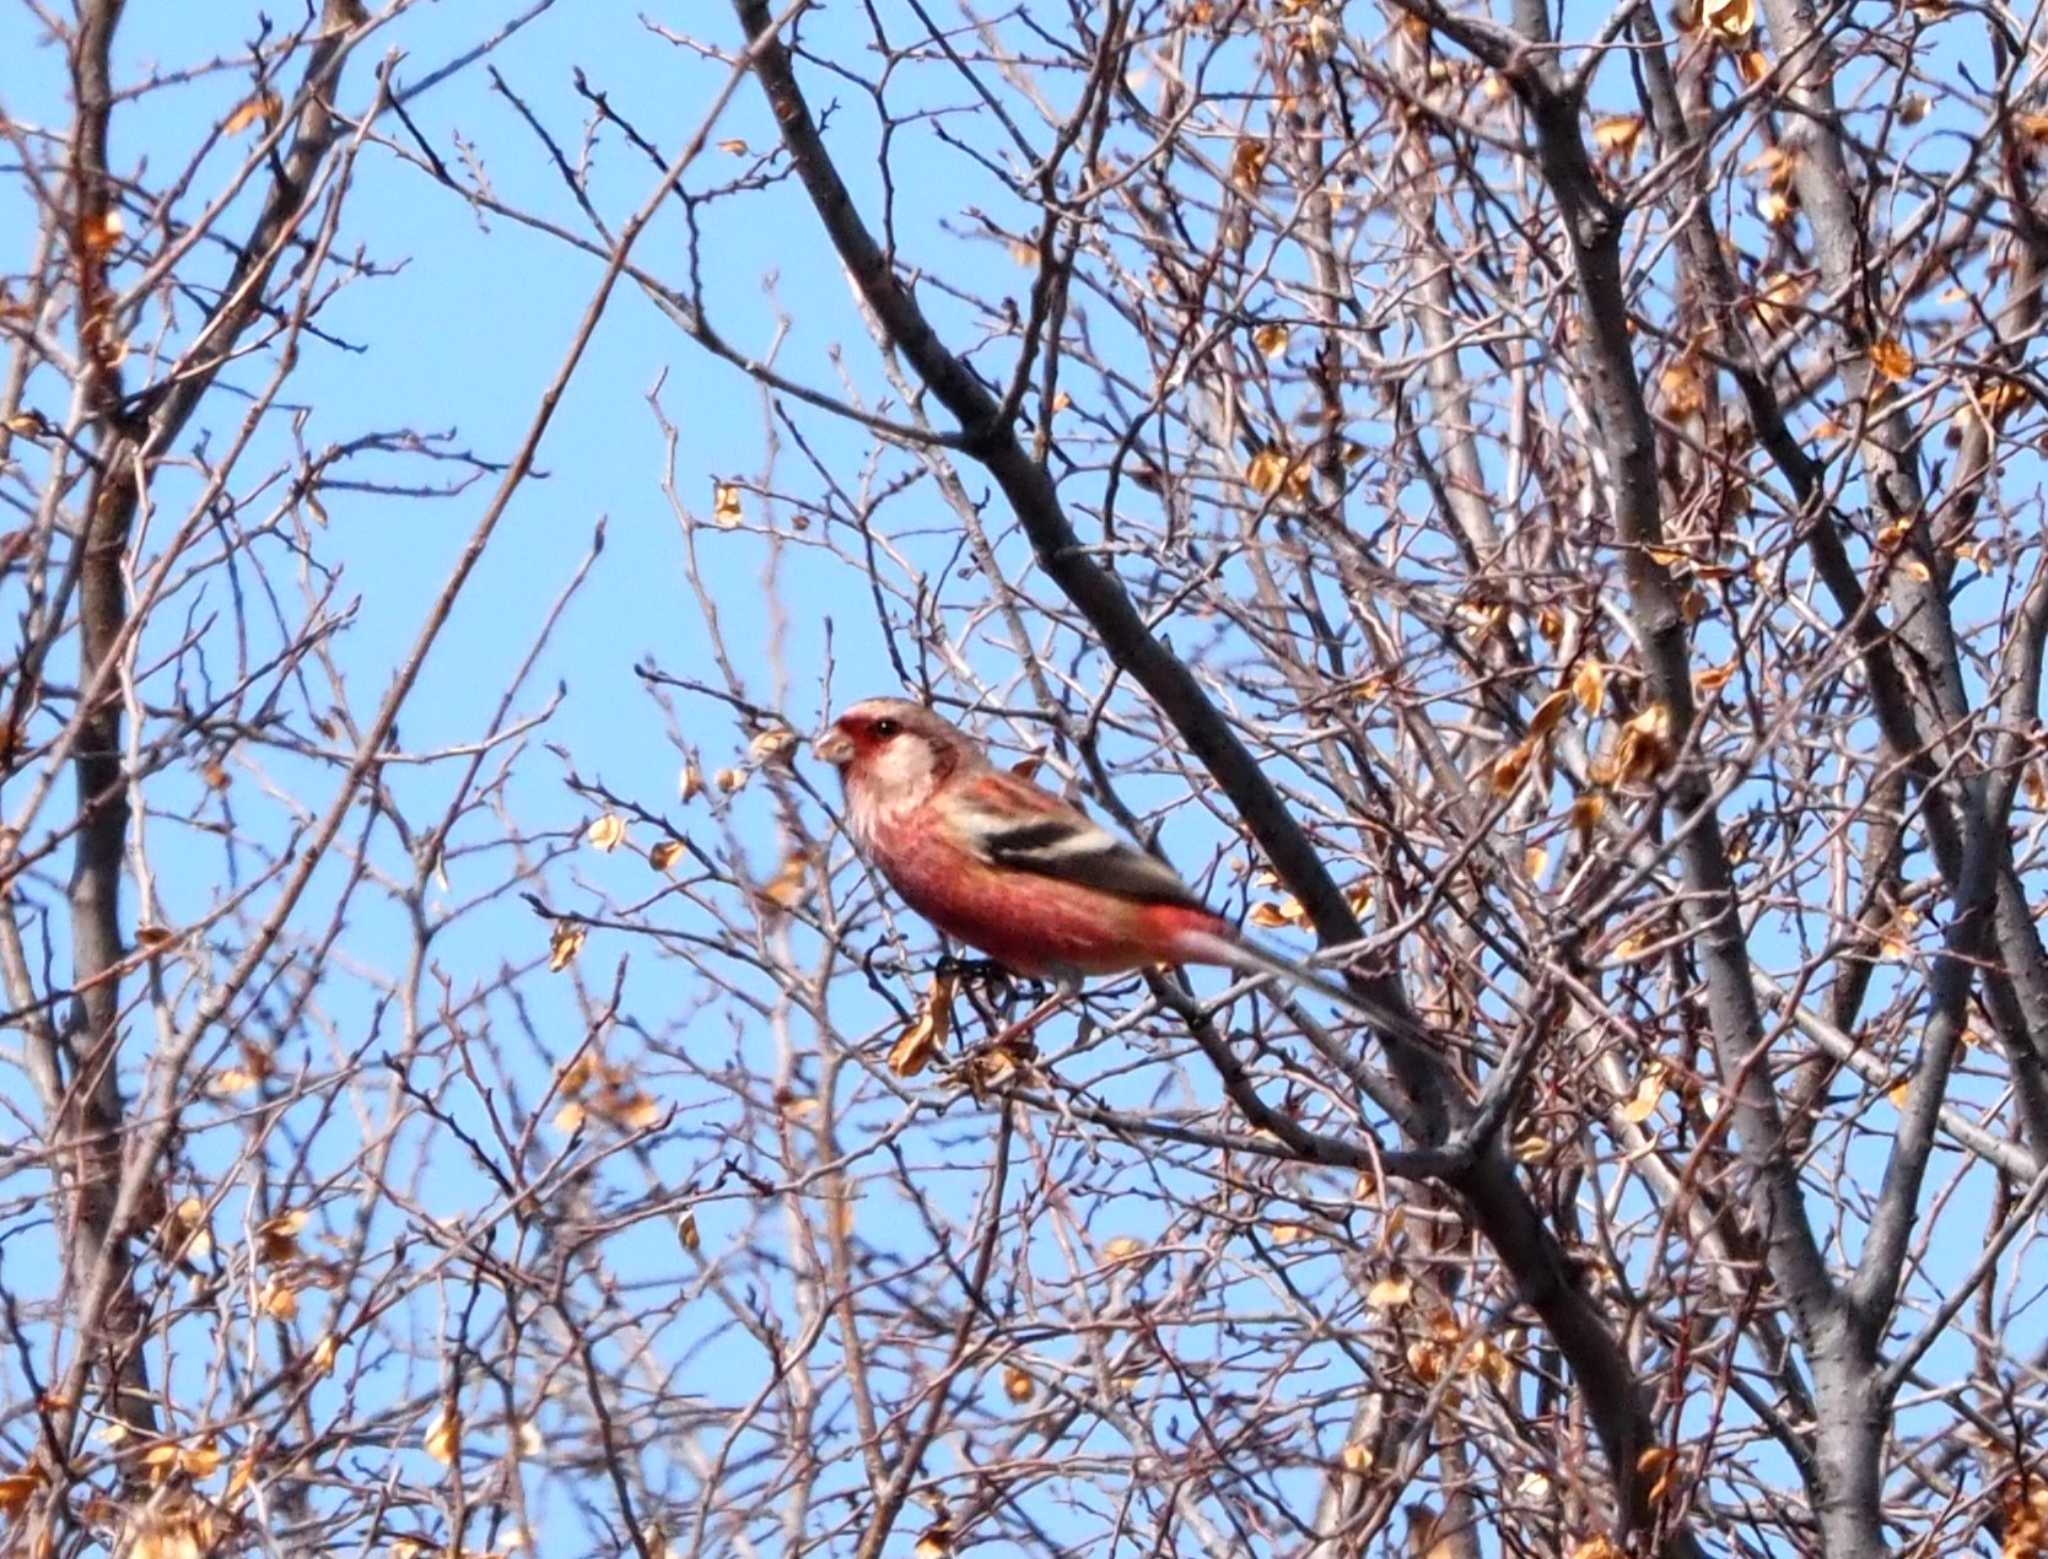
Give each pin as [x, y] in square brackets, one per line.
[973, 971]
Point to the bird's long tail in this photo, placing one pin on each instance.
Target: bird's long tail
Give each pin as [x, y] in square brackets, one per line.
[1247, 957]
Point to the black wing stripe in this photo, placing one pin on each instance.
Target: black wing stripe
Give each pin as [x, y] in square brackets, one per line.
[1027, 837]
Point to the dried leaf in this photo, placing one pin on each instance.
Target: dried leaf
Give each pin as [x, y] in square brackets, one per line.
[725, 505]
[1267, 471]
[1122, 1248]
[1616, 135]
[691, 782]
[665, 854]
[1289, 1233]
[773, 745]
[154, 937]
[1895, 939]
[1714, 678]
[17, 1489]
[1778, 298]
[1390, 1293]
[1550, 623]
[1645, 750]
[1270, 339]
[1891, 360]
[1589, 686]
[1357, 1457]
[1270, 917]
[1549, 713]
[101, 231]
[265, 106]
[1510, 767]
[277, 1239]
[636, 1111]
[1248, 163]
[607, 833]
[1685, 393]
[1734, 20]
[1587, 810]
[1776, 209]
[279, 1300]
[1017, 1385]
[1534, 859]
[924, 1041]
[320, 1361]
[686, 1230]
[789, 885]
[733, 146]
[444, 1435]
[1649, 1090]
[563, 945]
[1753, 65]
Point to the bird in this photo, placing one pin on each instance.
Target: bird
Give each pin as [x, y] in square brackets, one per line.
[1021, 875]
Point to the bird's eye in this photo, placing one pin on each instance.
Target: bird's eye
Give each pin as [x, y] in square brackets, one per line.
[886, 728]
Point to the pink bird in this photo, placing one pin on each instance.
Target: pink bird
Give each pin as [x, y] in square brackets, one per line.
[1015, 872]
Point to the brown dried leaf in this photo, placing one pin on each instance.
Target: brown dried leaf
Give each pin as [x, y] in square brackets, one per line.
[1734, 20]
[924, 1041]
[1549, 714]
[1616, 135]
[1587, 810]
[773, 745]
[607, 833]
[1248, 163]
[277, 1239]
[1685, 393]
[265, 106]
[686, 1230]
[101, 231]
[1266, 471]
[1390, 1293]
[665, 854]
[790, 884]
[1510, 767]
[1589, 686]
[1649, 1091]
[1017, 1385]
[1891, 360]
[444, 1435]
[1271, 340]
[563, 945]
[725, 505]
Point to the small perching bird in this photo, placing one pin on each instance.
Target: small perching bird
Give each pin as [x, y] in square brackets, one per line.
[1013, 871]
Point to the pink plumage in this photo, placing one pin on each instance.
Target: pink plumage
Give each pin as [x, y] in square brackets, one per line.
[1003, 865]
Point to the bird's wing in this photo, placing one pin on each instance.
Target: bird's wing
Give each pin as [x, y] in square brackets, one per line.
[1008, 821]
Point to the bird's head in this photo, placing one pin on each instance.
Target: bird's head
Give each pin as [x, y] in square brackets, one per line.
[892, 753]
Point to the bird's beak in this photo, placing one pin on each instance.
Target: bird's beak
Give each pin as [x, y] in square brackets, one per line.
[833, 746]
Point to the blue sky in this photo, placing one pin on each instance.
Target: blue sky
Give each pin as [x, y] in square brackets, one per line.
[461, 339]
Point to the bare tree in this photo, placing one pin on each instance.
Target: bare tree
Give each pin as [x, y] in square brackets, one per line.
[1540, 508]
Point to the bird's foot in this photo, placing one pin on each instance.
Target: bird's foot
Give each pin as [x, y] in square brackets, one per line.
[986, 974]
